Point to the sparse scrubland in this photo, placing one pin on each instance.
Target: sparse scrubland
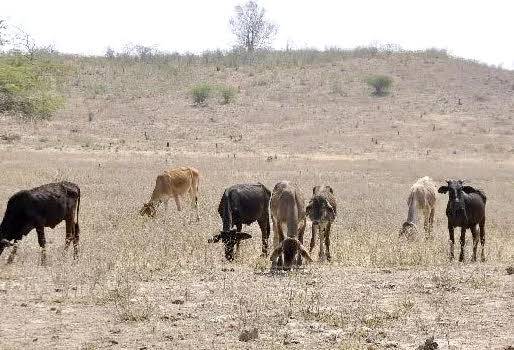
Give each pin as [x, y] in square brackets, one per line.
[304, 116]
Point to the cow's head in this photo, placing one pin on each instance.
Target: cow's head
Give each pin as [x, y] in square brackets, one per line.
[290, 250]
[148, 209]
[408, 228]
[229, 239]
[319, 210]
[456, 192]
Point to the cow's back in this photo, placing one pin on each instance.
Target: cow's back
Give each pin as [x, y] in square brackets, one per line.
[181, 179]
[248, 202]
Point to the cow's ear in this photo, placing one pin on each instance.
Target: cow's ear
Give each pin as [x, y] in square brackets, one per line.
[305, 254]
[276, 252]
[468, 189]
[242, 235]
[443, 189]
[315, 189]
[331, 211]
[308, 208]
[330, 189]
[5, 243]
[215, 238]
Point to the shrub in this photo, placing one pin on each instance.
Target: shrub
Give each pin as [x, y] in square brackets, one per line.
[27, 87]
[200, 94]
[380, 83]
[228, 94]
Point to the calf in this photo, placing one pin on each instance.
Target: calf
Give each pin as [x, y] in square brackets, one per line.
[243, 204]
[288, 208]
[322, 210]
[40, 207]
[422, 196]
[465, 209]
[174, 183]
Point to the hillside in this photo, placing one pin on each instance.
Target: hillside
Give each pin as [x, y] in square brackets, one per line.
[294, 105]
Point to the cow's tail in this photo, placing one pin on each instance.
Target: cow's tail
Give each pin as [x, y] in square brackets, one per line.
[292, 219]
[77, 228]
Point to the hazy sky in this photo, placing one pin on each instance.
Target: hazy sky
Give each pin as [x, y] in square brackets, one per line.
[481, 30]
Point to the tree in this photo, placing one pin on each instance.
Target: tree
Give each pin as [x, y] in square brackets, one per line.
[3, 27]
[251, 28]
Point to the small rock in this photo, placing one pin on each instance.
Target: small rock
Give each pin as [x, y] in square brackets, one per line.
[34, 340]
[391, 344]
[247, 335]
[510, 271]
[178, 302]
[23, 305]
[429, 344]
[113, 342]
[53, 308]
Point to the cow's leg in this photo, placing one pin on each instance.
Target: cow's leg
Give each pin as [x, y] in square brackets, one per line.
[462, 243]
[42, 243]
[10, 259]
[301, 232]
[278, 237]
[314, 228]
[264, 226]
[426, 220]
[431, 220]
[177, 201]
[482, 239]
[194, 201]
[69, 235]
[322, 233]
[166, 204]
[327, 240]
[76, 236]
[452, 240]
[474, 232]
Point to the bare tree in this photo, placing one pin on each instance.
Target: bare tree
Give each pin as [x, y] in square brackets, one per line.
[24, 42]
[251, 28]
[3, 29]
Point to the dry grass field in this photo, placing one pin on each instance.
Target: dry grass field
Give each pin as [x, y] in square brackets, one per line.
[156, 283]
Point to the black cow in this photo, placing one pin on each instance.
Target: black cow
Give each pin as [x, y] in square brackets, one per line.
[40, 207]
[465, 209]
[243, 204]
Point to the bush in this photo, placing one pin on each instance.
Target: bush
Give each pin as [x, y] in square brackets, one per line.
[380, 83]
[200, 94]
[27, 87]
[227, 94]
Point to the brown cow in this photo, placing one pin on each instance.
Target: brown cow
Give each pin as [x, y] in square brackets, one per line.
[174, 183]
[322, 211]
[288, 208]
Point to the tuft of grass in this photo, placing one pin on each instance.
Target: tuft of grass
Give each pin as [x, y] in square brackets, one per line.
[227, 93]
[200, 93]
[380, 84]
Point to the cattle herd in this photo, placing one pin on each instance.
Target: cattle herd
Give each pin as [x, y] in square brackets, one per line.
[50, 204]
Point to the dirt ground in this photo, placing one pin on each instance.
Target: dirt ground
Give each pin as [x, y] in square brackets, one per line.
[157, 284]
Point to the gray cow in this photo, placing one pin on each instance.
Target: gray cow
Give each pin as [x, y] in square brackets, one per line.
[322, 210]
[288, 211]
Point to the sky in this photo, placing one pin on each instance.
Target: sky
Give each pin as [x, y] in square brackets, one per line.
[474, 29]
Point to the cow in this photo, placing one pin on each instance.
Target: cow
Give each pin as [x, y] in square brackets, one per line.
[40, 207]
[173, 183]
[243, 204]
[465, 209]
[322, 211]
[288, 209]
[422, 196]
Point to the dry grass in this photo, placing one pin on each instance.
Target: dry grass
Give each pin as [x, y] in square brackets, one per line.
[159, 284]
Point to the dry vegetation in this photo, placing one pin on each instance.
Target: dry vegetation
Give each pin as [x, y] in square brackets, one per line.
[143, 283]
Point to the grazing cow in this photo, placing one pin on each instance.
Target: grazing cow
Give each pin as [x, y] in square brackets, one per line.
[40, 207]
[174, 183]
[422, 197]
[322, 210]
[465, 209]
[288, 209]
[243, 204]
